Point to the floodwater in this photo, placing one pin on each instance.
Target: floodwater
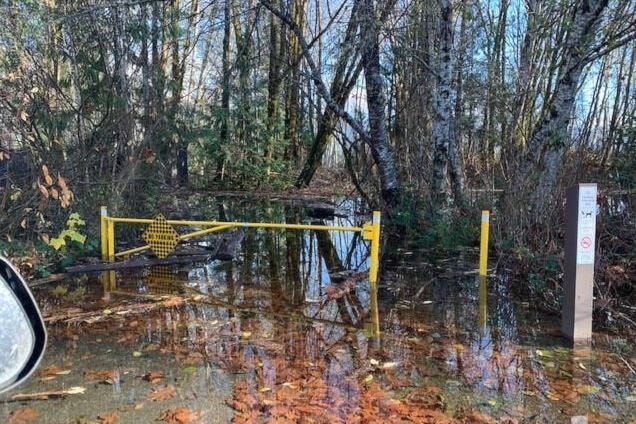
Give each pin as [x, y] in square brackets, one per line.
[286, 333]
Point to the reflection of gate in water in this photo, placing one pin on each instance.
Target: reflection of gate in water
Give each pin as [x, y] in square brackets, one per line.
[156, 280]
[165, 280]
[161, 237]
[297, 266]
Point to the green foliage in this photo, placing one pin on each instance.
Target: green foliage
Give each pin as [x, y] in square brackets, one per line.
[71, 233]
[450, 233]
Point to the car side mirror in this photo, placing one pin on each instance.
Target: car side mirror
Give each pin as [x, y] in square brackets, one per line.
[22, 331]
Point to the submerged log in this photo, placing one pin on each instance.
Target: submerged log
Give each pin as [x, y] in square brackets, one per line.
[229, 245]
[139, 262]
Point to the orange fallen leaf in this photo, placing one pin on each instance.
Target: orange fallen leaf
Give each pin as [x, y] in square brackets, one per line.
[103, 376]
[162, 393]
[23, 415]
[180, 415]
[53, 370]
[108, 418]
[153, 376]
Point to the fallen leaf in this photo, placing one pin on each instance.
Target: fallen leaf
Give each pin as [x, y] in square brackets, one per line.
[179, 415]
[53, 370]
[108, 418]
[153, 376]
[23, 415]
[162, 393]
[103, 376]
[77, 390]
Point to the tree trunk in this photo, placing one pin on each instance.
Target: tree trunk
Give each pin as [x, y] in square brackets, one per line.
[224, 118]
[376, 104]
[346, 74]
[550, 137]
[446, 158]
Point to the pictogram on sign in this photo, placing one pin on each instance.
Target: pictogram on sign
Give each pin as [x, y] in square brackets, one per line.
[161, 237]
[586, 242]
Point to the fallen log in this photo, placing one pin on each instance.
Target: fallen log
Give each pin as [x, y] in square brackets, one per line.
[138, 263]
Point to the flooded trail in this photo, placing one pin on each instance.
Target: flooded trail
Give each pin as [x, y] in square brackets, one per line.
[285, 333]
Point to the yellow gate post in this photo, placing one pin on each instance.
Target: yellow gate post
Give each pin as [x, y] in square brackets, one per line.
[103, 214]
[375, 247]
[483, 249]
[110, 231]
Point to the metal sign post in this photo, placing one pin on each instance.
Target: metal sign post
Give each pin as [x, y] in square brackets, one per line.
[578, 278]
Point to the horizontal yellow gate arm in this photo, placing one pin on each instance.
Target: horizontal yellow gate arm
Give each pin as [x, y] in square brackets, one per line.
[181, 237]
[370, 231]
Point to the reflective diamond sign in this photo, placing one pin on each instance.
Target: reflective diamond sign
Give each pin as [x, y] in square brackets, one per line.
[161, 237]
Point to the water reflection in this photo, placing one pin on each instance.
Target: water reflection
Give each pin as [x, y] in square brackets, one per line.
[291, 329]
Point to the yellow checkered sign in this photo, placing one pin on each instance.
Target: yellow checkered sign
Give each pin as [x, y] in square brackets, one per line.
[161, 237]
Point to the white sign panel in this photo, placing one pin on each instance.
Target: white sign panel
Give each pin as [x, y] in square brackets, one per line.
[586, 229]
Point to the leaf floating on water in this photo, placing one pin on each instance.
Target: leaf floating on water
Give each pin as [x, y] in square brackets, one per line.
[107, 312]
[137, 354]
[368, 379]
[23, 416]
[103, 376]
[108, 418]
[374, 362]
[153, 376]
[179, 415]
[53, 370]
[162, 393]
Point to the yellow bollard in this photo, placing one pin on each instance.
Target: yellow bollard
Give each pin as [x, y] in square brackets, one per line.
[103, 232]
[483, 249]
[375, 248]
[483, 302]
[110, 230]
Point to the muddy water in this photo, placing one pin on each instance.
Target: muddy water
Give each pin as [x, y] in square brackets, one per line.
[285, 333]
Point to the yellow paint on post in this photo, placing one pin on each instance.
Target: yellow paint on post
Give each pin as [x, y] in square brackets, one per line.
[375, 248]
[110, 230]
[103, 214]
[483, 301]
[483, 249]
